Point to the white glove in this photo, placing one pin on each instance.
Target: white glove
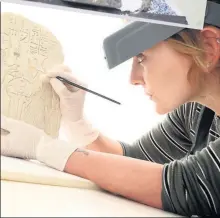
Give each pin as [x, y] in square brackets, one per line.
[28, 142]
[76, 127]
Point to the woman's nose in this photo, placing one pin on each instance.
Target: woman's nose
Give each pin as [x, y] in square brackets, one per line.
[136, 76]
[136, 81]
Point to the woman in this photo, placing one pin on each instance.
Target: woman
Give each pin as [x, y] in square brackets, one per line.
[176, 165]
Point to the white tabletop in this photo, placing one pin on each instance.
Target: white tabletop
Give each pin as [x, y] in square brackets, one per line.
[26, 199]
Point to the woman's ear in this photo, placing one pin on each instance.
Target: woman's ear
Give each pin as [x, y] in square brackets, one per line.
[211, 42]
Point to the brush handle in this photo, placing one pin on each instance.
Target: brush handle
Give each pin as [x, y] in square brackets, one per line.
[88, 90]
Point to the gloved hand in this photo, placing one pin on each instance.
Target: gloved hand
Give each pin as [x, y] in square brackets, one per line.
[76, 127]
[28, 142]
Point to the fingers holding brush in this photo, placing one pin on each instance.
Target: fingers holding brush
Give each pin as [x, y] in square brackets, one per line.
[62, 71]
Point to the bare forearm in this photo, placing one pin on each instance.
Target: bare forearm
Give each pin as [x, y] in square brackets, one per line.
[105, 145]
[135, 179]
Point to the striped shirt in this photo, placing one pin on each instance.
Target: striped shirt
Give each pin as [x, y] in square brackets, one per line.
[187, 143]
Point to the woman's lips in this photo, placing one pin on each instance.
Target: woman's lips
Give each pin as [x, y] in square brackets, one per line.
[148, 94]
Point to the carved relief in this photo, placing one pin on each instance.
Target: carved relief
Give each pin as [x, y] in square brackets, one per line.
[28, 50]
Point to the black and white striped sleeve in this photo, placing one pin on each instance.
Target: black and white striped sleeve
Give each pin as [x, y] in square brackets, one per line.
[167, 141]
[192, 186]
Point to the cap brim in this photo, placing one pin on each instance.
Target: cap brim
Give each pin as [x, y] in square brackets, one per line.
[140, 36]
[134, 39]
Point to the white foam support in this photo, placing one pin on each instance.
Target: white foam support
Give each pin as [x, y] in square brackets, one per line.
[19, 170]
[32, 200]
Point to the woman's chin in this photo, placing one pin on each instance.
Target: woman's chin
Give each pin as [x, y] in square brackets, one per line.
[161, 110]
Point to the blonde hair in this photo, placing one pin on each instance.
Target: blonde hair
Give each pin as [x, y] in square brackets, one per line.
[188, 42]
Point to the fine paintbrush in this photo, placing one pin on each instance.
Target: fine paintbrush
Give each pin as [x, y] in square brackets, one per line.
[83, 88]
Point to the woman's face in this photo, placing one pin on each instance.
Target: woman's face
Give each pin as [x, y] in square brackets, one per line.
[163, 74]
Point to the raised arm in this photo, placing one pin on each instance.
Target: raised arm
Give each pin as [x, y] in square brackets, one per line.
[74, 126]
[166, 142]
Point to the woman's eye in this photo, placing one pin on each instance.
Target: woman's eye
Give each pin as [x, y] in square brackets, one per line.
[140, 58]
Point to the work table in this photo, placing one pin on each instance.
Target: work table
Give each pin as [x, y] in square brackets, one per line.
[26, 199]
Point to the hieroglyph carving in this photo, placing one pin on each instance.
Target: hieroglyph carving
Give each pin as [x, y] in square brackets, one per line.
[28, 50]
